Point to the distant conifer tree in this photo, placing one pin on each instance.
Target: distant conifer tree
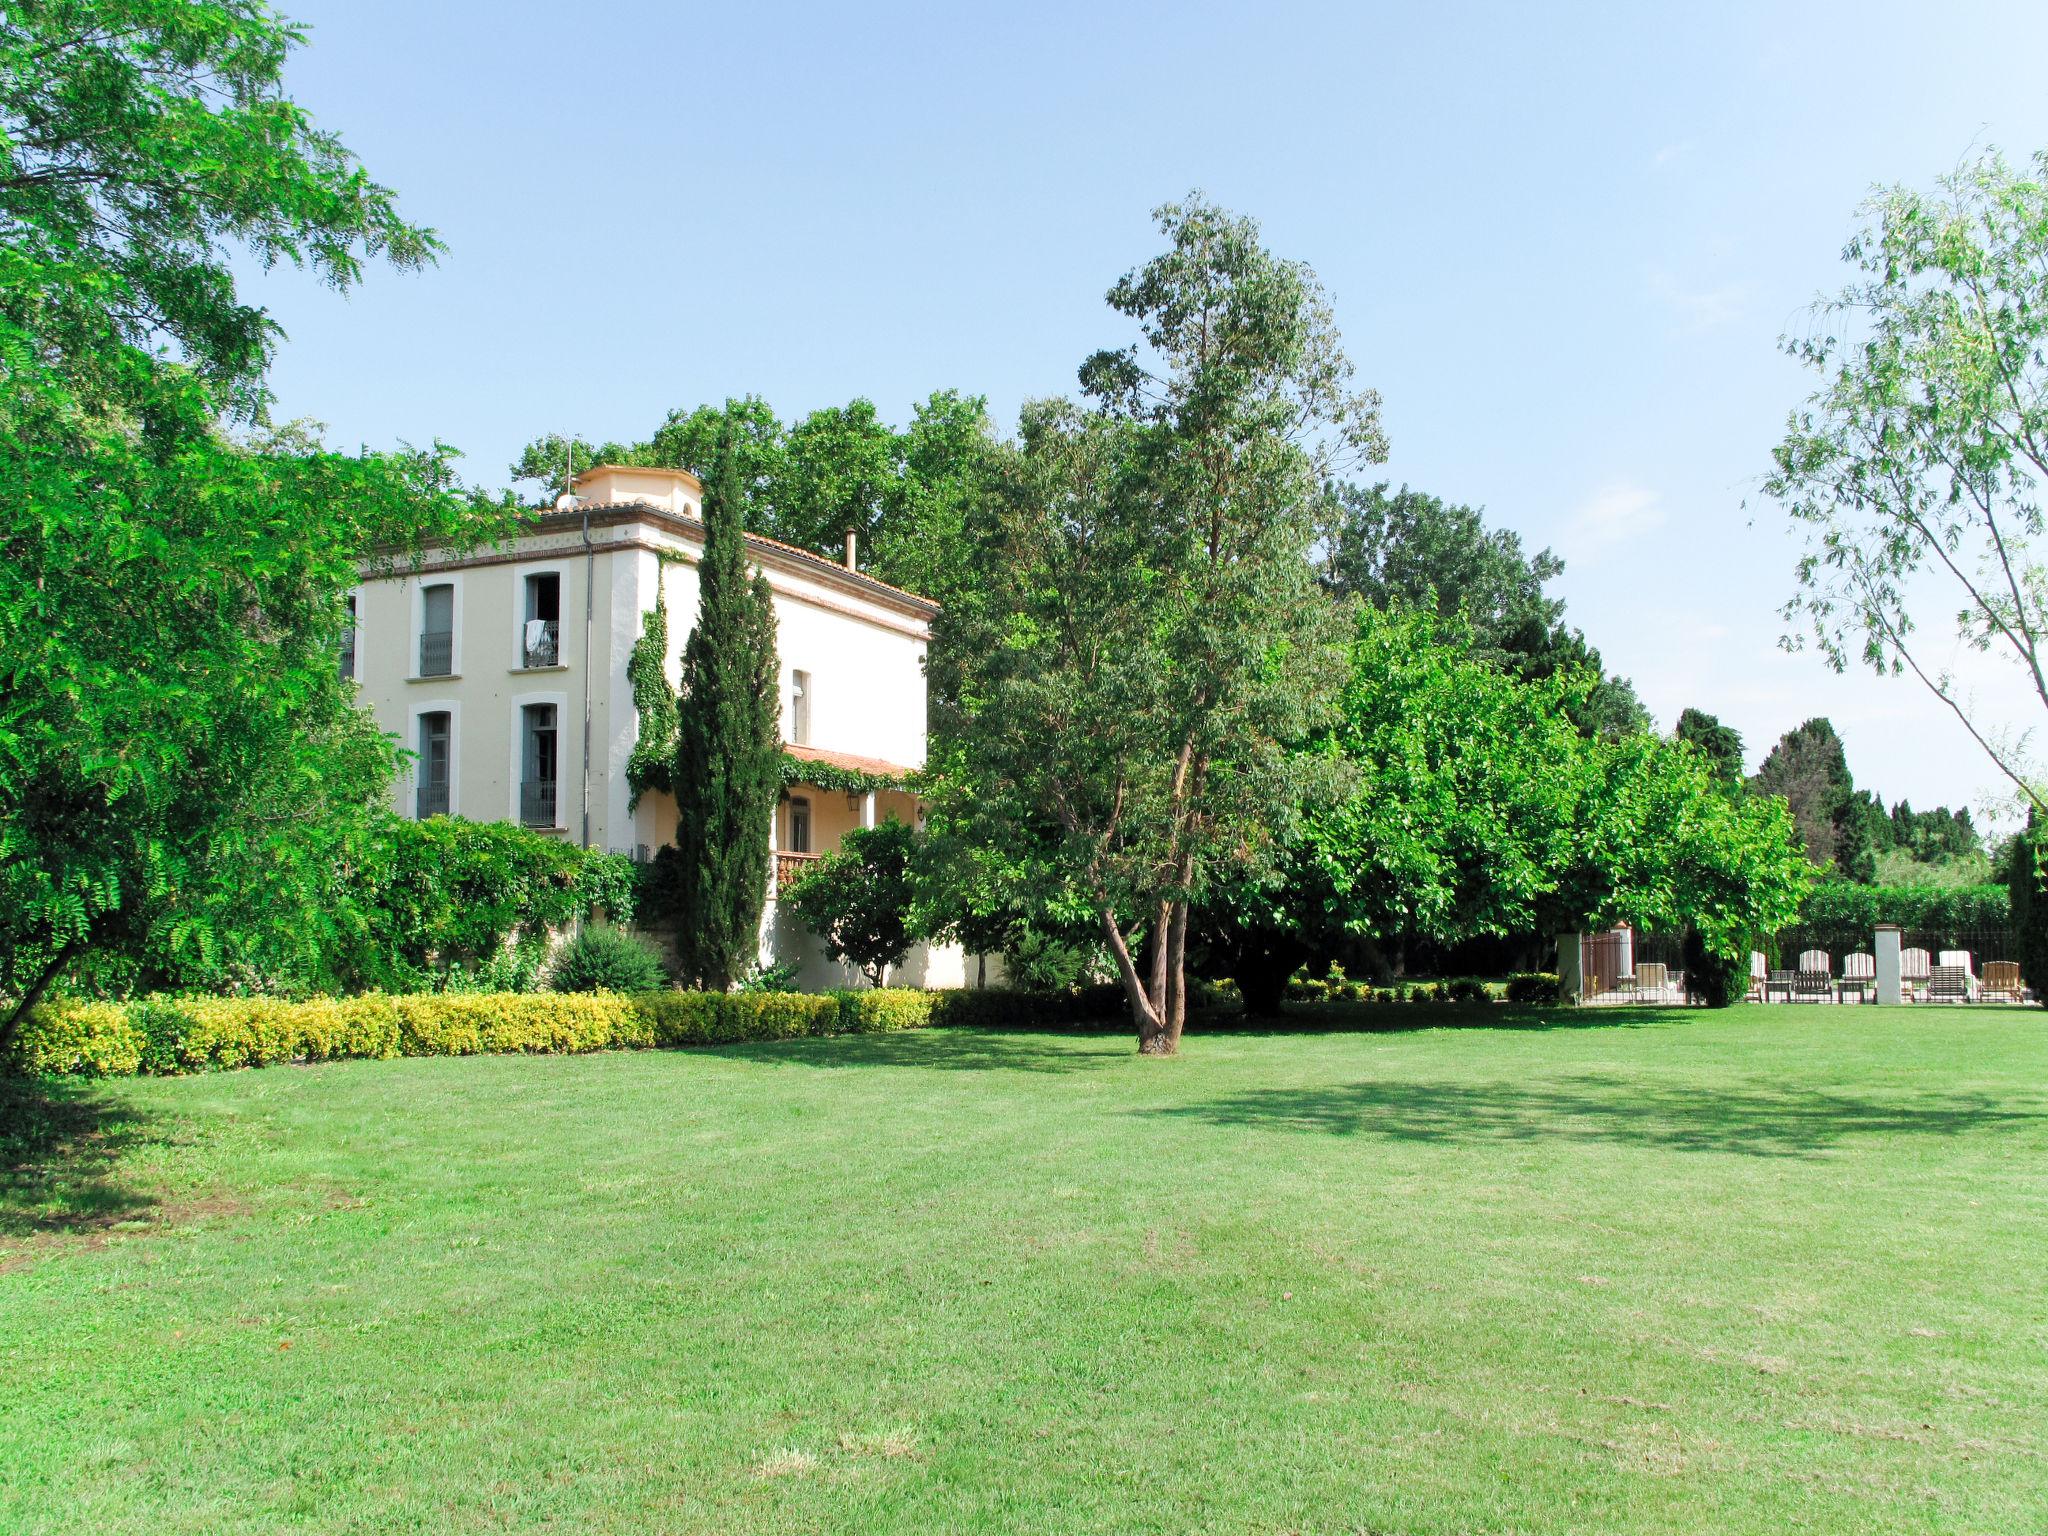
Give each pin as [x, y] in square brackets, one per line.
[728, 747]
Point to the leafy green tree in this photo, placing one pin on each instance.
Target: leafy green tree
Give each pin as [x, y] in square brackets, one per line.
[842, 474]
[1147, 637]
[1809, 770]
[178, 754]
[950, 459]
[1916, 468]
[1473, 807]
[654, 749]
[1415, 550]
[728, 762]
[861, 899]
[1720, 745]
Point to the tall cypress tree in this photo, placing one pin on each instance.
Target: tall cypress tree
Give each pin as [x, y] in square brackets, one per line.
[728, 746]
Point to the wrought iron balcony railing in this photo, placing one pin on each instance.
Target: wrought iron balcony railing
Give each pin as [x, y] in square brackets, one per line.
[437, 653]
[537, 803]
[541, 643]
[432, 799]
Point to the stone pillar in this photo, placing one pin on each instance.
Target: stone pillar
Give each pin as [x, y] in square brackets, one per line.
[1888, 964]
[1571, 977]
[867, 809]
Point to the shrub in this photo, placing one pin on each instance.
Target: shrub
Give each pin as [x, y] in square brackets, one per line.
[684, 1018]
[884, 1009]
[1838, 915]
[1539, 987]
[1715, 979]
[468, 1024]
[203, 1033]
[1467, 989]
[76, 1038]
[607, 960]
[780, 977]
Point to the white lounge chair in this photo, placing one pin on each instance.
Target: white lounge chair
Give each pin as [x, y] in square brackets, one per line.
[1859, 974]
[1914, 969]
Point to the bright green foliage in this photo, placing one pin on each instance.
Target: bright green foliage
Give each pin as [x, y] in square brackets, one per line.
[1809, 770]
[606, 960]
[1917, 467]
[431, 900]
[841, 467]
[1476, 807]
[1145, 636]
[179, 759]
[654, 697]
[1839, 915]
[859, 898]
[728, 749]
[1719, 744]
[1413, 550]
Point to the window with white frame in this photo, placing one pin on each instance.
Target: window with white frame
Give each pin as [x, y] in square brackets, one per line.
[800, 708]
[437, 630]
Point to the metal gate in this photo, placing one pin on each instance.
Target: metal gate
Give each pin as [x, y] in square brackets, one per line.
[1605, 961]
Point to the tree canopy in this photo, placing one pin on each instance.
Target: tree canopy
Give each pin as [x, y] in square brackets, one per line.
[178, 751]
[1917, 465]
[1412, 549]
[1144, 639]
[810, 482]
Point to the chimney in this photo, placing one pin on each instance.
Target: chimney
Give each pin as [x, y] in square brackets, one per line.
[852, 560]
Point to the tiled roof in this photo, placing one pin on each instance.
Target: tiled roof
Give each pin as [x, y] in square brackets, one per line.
[852, 762]
[824, 563]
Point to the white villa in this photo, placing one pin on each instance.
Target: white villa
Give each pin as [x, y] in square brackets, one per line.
[504, 671]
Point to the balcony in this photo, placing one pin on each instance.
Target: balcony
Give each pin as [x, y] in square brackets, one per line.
[437, 653]
[792, 867]
[431, 799]
[537, 803]
[541, 643]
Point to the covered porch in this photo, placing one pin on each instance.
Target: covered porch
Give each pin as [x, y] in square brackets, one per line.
[818, 809]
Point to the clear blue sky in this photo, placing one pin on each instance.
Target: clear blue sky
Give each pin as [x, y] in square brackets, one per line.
[1562, 243]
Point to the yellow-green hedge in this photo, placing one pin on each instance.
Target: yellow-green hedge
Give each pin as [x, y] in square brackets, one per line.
[179, 1034]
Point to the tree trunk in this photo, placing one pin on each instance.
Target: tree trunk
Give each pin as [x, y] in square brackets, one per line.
[35, 993]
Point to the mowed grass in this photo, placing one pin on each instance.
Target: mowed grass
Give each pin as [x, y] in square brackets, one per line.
[1768, 1270]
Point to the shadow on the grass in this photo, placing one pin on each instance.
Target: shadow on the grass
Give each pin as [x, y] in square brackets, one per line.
[60, 1148]
[948, 1050]
[1773, 1120]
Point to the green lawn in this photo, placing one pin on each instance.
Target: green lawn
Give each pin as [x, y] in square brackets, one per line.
[1762, 1271]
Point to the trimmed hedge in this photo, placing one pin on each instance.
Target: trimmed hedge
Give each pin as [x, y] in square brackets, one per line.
[170, 1035]
[1839, 915]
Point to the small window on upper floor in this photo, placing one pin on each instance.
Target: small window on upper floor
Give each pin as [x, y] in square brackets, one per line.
[437, 630]
[800, 708]
[799, 825]
[540, 636]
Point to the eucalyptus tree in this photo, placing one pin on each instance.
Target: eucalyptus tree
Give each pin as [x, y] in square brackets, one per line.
[1148, 638]
[1915, 470]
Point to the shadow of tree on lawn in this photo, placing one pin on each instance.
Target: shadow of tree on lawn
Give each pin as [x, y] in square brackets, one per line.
[1763, 1120]
[60, 1149]
[948, 1050]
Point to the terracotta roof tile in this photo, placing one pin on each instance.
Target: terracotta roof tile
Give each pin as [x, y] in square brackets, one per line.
[852, 762]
